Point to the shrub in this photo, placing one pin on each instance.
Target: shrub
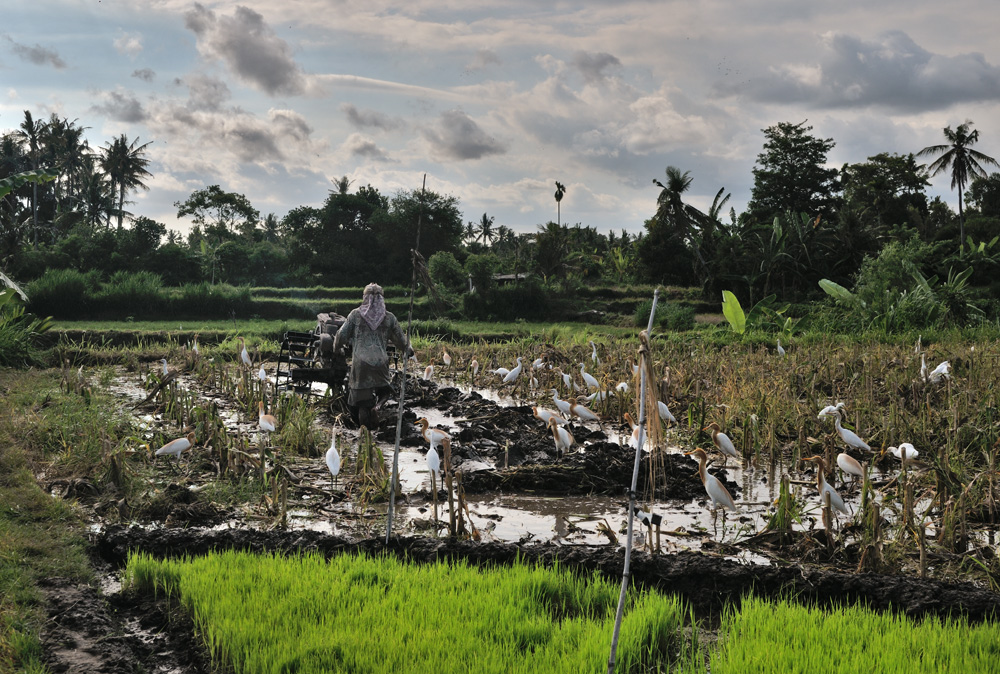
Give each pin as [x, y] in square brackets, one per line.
[203, 300]
[446, 271]
[133, 293]
[669, 315]
[527, 300]
[64, 293]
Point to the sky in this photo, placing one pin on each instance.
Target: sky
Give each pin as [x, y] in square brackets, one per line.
[495, 100]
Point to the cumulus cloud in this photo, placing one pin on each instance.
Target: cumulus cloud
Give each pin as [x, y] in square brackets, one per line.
[593, 67]
[206, 92]
[129, 44]
[457, 136]
[122, 106]
[37, 54]
[248, 47]
[144, 74]
[364, 119]
[892, 71]
[364, 147]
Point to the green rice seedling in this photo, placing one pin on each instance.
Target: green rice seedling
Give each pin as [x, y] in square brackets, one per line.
[297, 430]
[379, 614]
[767, 636]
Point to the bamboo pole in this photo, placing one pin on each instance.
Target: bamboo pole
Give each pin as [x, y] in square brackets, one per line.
[644, 356]
[402, 382]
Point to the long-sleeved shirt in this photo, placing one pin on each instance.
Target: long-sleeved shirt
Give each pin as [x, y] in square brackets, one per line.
[369, 359]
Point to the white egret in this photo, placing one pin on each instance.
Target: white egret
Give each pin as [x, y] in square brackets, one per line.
[906, 453]
[175, 447]
[446, 357]
[538, 363]
[588, 378]
[501, 371]
[578, 410]
[333, 459]
[561, 405]
[165, 370]
[722, 441]
[830, 410]
[942, 371]
[428, 372]
[716, 491]
[567, 380]
[599, 396]
[562, 437]
[262, 374]
[593, 354]
[622, 387]
[836, 502]
[474, 366]
[544, 415]
[433, 436]
[266, 422]
[665, 414]
[849, 437]
[781, 349]
[512, 376]
[433, 465]
[194, 346]
[244, 354]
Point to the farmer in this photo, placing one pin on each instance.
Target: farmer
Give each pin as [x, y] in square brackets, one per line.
[369, 328]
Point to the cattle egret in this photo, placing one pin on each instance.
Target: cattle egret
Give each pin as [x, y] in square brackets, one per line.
[446, 357]
[333, 459]
[175, 447]
[562, 437]
[433, 464]
[428, 372]
[849, 437]
[165, 370]
[194, 347]
[589, 379]
[561, 405]
[544, 415]
[633, 440]
[262, 374]
[593, 354]
[781, 350]
[474, 366]
[850, 465]
[433, 436]
[622, 387]
[512, 376]
[266, 422]
[830, 410]
[635, 369]
[905, 453]
[716, 491]
[836, 502]
[244, 354]
[942, 371]
[567, 380]
[665, 414]
[501, 371]
[599, 396]
[538, 363]
[722, 441]
[576, 409]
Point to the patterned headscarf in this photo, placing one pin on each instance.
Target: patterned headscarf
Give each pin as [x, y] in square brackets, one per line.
[373, 306]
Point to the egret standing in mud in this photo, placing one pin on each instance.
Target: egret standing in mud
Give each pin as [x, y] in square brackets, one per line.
[266, 422]
[544, 415]
[906, 453]
[333, 460]
[664, 412]
[445, 357]
[175, 447]
[824, 488]
[511, 377]
[428, 373]
[716, 491]
[593, 354]
[474, 366]
[589, 379]
[578, 410]
[245, 355]
[722, 441]
[562, 437]
[561, 405]
[633, 440]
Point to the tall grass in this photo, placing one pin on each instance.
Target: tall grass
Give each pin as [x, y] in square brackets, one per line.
[780, 637]
[306, 614]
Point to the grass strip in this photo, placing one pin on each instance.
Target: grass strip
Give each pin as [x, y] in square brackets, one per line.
[766, 636]
[378, 614]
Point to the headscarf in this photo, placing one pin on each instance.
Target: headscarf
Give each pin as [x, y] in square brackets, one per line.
[373, 306]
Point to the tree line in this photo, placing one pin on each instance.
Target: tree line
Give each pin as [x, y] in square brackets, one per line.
[805, 221]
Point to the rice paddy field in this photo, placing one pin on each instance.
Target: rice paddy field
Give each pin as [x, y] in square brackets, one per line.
[246, 554]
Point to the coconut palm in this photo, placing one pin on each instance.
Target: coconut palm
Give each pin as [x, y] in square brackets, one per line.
[672, 211]
[560, 191]
[963, 161]
[125, 163]
[31, 131]
[485, 228]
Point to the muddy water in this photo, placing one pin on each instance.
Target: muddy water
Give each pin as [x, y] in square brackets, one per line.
[687, 524]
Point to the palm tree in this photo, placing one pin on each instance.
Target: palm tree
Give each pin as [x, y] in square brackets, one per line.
[342, 184]
[560, 191]
[485, 228]
[469, 232]
[963, 161]
[672, 211]
[31, 131]
[125, 163]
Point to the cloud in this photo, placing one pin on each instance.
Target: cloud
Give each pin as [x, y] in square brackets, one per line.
[206, 92]
[482, 59]
[122, 106]
[362, 146]
[129, 44]
[457, 136]
[593, 66]
[248, 47]
[144, 74]
[37, 54]
[892, 71]
[363, 119]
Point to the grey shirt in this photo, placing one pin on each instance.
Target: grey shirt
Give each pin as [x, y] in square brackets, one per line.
[369, 360]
